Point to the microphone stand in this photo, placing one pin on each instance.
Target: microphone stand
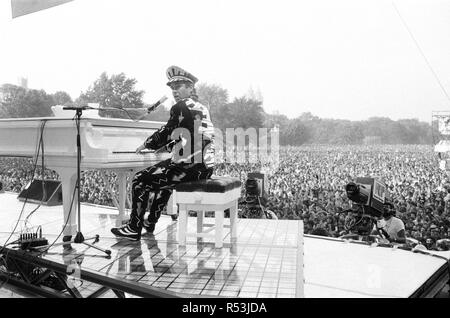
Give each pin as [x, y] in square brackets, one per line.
[79, 238]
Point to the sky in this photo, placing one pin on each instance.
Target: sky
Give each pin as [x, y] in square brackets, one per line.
[346, 59]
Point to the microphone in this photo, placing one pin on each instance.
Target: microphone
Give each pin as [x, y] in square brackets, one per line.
[82, 106]
[155, 105]
[77, 107]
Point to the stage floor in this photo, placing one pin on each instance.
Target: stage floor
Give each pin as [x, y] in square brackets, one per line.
[261, 263]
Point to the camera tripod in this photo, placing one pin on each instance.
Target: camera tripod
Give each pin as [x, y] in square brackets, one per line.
[256, 208]
[362, 224]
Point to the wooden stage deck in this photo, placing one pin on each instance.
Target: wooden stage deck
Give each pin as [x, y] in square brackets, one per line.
[261, 263]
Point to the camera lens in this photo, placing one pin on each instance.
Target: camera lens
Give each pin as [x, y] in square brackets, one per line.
[351, 187]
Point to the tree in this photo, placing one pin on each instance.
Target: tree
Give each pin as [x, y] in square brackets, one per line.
[62, 98]
[379, 126]
[245, 113]
[275, 119]
[12, 98]
[308, 128]
[295, 133]
[116, 91]
[255, 95]
[307, 116]
[416, 132]
[17, 102]
[347, 132]
[215, 98]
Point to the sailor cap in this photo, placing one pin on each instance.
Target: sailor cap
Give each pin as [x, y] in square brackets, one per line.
[177, 74]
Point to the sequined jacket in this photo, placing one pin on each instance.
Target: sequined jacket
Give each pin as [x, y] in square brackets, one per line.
[189, 134]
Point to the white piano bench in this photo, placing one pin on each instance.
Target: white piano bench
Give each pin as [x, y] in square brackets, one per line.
[216, 194]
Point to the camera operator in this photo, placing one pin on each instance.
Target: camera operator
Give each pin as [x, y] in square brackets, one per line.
[391, 227]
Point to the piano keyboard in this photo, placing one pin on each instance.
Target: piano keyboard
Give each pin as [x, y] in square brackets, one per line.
[129, 152]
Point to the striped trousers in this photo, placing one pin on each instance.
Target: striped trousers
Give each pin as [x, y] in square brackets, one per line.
[160, 180]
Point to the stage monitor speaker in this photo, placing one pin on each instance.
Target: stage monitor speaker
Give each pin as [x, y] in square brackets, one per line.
[34, 192]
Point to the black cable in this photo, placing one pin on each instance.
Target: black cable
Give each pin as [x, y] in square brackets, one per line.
[44, 190]
[37, 230]
[65, 224]
[26, 199]
[264, 212]
[128, 114]
[421, 52]
[68, 218]
[42, 172]
[73, 197]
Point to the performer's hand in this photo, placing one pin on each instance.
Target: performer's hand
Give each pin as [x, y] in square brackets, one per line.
[139, 149]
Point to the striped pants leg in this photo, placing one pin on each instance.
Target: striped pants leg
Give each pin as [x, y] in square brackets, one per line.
[161, 180]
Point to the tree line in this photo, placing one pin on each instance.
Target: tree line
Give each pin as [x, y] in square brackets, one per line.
[247, 111]
[118, 92]
[310, 129]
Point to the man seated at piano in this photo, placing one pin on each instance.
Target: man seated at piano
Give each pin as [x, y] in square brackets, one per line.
[188, 134]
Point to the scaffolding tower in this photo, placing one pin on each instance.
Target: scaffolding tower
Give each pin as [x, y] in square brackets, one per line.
[440, 124]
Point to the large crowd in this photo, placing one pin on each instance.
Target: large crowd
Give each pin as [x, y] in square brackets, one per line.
[308, 183]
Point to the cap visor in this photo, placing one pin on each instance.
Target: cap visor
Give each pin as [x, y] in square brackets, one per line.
[178, 80]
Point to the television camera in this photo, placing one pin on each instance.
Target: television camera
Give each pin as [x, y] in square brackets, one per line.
[372, 202]
[256, 197]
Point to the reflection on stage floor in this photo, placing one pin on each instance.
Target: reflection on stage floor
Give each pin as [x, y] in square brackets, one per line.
[260, 263]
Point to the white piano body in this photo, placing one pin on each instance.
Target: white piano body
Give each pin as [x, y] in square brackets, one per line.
[105, 144]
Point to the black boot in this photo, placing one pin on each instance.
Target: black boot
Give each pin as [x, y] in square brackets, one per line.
[149, 227]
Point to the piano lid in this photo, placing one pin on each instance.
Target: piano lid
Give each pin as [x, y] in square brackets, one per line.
[105, 142]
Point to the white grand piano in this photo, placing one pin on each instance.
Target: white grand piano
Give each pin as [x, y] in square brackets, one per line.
[106, 144]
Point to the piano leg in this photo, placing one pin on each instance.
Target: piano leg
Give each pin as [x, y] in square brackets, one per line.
[68, 182]
[171, 204]
[122, 184]
[121, 200]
